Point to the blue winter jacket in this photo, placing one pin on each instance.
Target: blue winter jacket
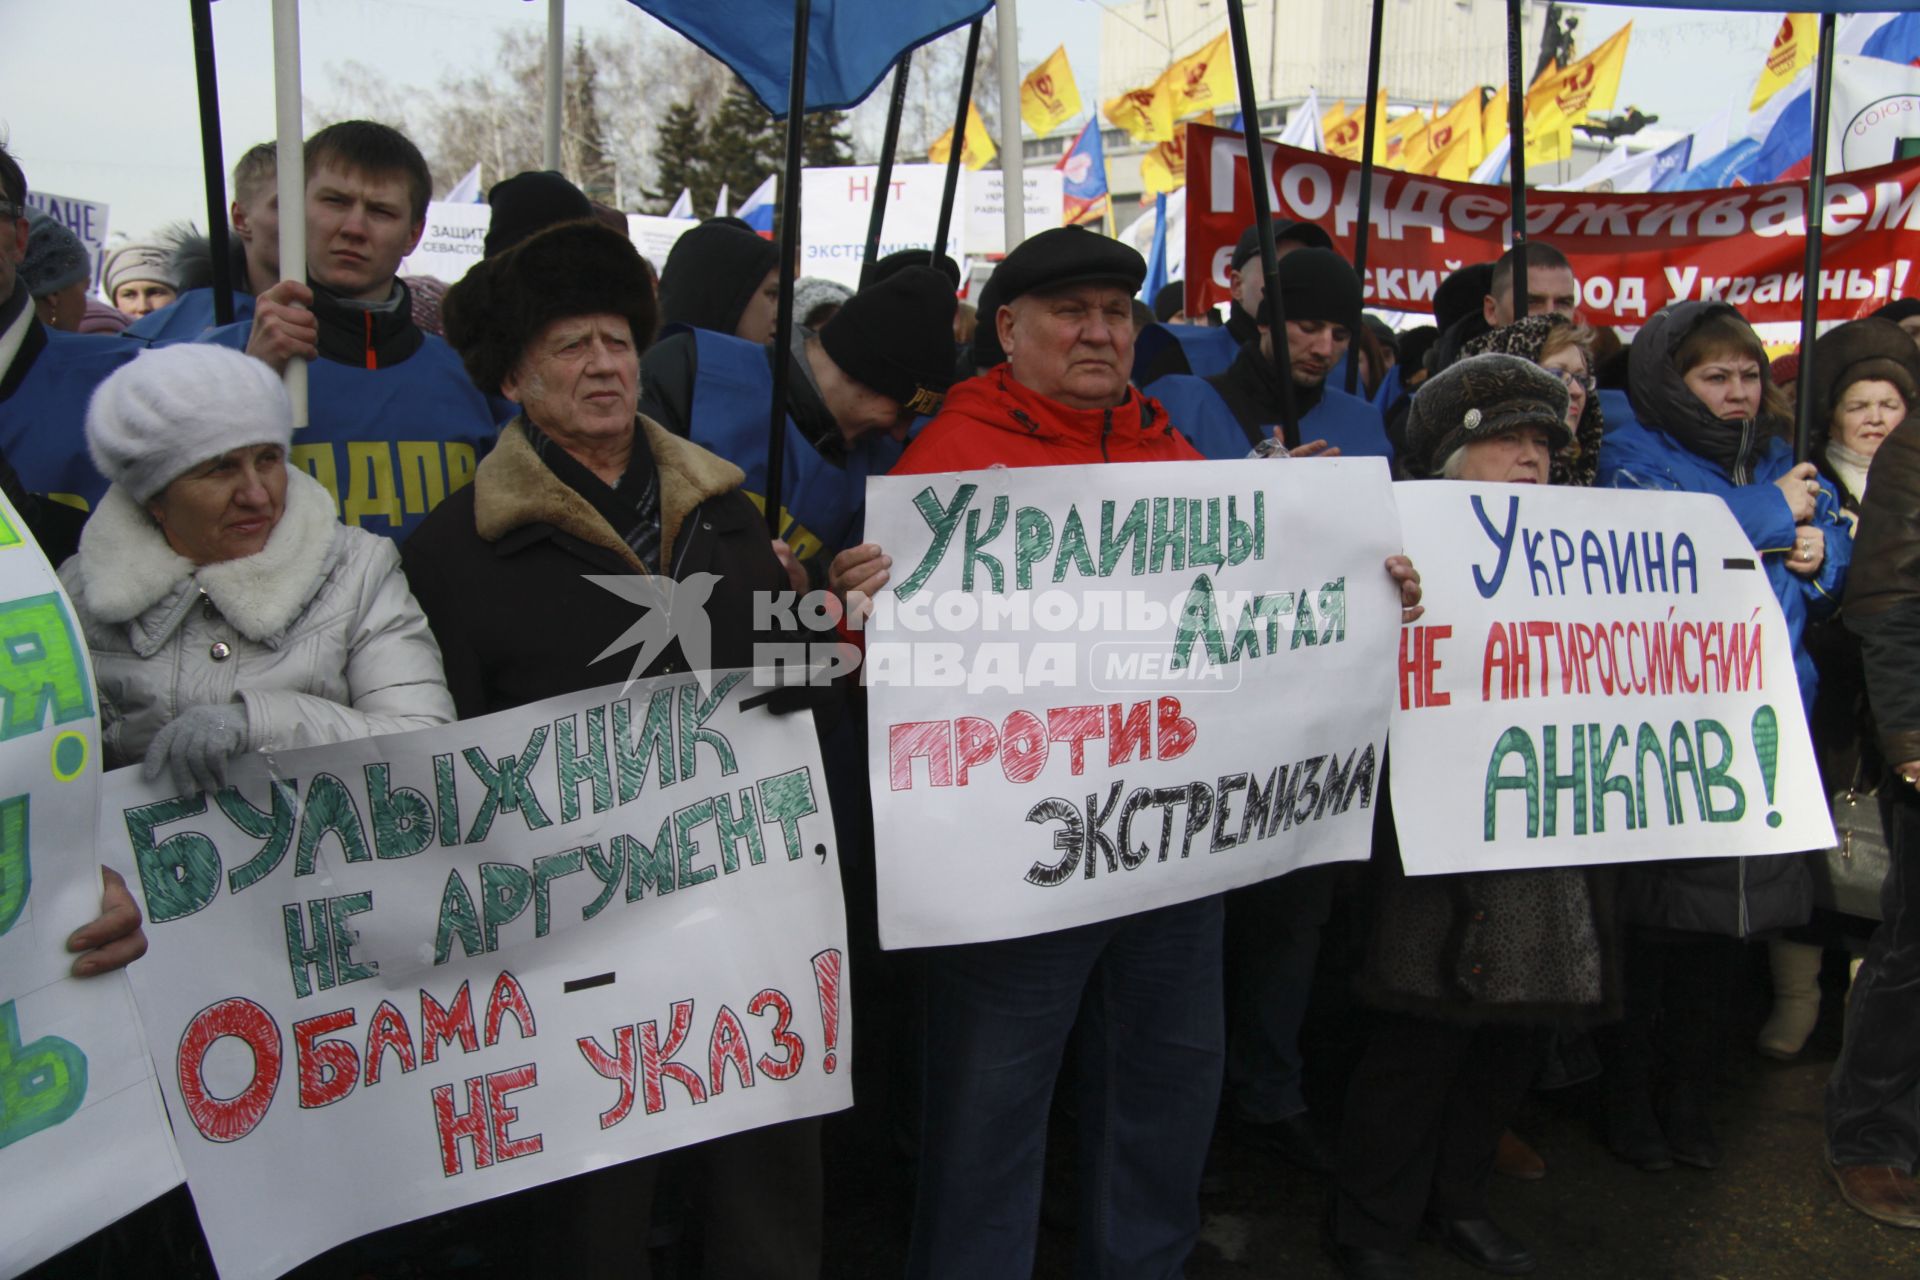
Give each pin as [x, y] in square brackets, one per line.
[43, 404]
[1637, 455]
[187, 317]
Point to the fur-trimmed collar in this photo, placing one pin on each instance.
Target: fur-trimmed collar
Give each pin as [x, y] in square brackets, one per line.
[131, 575]
[512, 488]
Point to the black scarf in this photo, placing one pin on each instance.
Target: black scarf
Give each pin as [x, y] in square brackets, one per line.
[632, 506]
[1251, 388]
[353, 335]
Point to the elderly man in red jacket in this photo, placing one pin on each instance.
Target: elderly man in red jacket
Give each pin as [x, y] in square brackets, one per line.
[1145, 988]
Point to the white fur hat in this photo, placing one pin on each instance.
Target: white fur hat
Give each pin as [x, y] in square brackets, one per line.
[171, 409]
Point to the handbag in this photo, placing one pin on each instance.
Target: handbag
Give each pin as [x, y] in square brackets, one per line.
[1847, 877]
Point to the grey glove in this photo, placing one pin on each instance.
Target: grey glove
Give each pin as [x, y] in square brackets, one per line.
[196, 745]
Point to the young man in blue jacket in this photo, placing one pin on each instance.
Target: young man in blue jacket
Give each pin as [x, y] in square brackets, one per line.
[1226, 415]
[395, 424]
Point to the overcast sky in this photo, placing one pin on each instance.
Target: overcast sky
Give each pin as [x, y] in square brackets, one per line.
[99, 98]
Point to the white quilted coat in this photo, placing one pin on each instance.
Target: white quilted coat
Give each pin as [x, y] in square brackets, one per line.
[317, 633]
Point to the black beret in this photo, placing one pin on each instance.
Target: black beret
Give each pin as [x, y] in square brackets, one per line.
[574, 269]
[1478, 398]
[901, 259]
[896, 337]
[1317, 284]
[1306, 233]
[1068, 255]
[986, 351]
[530, 202]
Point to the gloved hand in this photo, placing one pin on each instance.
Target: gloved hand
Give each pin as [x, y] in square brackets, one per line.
[196, 745]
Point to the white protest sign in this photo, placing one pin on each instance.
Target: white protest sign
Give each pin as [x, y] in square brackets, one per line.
[87, 219]
[1099, 689]
[83, 1138]
[835, 204]
[414, 972]
[452, 242]
[1875, 116]
[1601, 676]
[655, 237]
[986, 227]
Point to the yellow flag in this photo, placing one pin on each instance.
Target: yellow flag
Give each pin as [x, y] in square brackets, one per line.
[1200, 81]
[1349, 136]
[1493, 122]
[1449, 153]
[1146, 114]
[1165, 167]
[1401, 137]
[1570, 96]
[976, 152]
[1793, 49]
[1332, 119]
[1460, 121]
[1048, 96]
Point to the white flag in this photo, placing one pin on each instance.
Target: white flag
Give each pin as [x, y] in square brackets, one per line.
[467, 190]
[1303, 126]
[720, 205]
[683, 207]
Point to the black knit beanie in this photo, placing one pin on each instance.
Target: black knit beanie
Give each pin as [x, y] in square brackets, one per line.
[896, 337]
[711, 275]
[1317, 284]
[530, 202]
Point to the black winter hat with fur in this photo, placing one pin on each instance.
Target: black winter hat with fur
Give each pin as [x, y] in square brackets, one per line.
[573, 269]
[1478, 398]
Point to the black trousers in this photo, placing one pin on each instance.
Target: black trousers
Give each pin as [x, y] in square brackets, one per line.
[1679, 988]
[1873, 1097]
[1425, 1110]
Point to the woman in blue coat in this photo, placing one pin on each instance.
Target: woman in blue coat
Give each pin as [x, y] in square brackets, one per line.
[1707, 423]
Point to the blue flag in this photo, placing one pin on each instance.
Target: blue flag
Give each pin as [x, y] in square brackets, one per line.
[1083, 176]
[1897, 41]
[850, 43]
[1715, 171]
[1157, 256]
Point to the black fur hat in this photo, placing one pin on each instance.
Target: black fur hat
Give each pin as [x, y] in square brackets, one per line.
[573, 269]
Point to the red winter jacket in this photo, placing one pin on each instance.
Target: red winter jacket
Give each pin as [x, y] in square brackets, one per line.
[992, 421]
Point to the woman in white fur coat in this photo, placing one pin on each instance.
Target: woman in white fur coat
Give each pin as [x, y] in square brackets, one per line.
[226, 607]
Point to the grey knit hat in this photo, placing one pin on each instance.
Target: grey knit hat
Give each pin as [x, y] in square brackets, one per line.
[132, 262]
[55, 256]
[172, 408]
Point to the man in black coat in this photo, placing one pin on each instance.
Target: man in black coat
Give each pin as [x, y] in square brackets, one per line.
[580, 486]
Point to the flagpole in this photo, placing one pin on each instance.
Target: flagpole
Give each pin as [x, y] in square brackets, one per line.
[290, 176]
[1517, 159]
[556, 74]
[958, 143]
[1263, 212]
[789, 241]
[212, 161]
[1362, 232]
[1013, 184]
[883, 179]
[1816, 219]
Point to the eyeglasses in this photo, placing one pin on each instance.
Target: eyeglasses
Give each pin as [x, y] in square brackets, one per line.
[1584, 381]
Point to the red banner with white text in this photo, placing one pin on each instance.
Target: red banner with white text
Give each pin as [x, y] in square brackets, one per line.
[1633, 253]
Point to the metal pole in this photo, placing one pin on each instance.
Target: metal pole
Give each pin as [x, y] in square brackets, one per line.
[1363, 232]
[959, 143]
[1816, 219]
[211, 161]
[1517, 158]
[883, 179]
[291, 174]
[1013, 167]
[556, 78]
[1262, 213]
[789, 242]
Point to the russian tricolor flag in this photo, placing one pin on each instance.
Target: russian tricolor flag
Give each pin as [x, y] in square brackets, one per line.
[758, 210]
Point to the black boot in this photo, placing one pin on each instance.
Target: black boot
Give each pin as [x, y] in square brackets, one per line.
[1688, 1128]
[1633, 1132]
[1482, 1243]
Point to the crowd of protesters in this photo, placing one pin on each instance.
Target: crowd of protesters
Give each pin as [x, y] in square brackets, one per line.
[475, 451]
